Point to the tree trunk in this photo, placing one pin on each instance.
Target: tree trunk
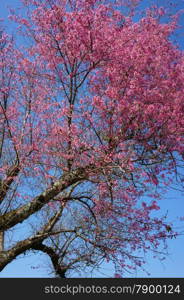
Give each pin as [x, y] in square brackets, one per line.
[2, 254]
[1, 241]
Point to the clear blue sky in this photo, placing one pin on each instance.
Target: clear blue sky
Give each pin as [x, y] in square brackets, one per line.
[37, 265]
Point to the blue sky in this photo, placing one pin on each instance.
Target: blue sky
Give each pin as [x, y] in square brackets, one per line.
[37, 265]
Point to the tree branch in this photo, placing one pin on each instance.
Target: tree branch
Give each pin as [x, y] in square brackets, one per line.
[5, 184]
[18, 215]
[30, 243]
[59, 269]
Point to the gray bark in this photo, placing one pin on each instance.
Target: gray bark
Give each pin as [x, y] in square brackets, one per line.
[1, 241]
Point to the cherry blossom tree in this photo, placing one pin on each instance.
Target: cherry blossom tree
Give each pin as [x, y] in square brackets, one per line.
[91, 133]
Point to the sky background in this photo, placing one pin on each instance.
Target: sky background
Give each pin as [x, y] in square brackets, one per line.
[37, 265]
